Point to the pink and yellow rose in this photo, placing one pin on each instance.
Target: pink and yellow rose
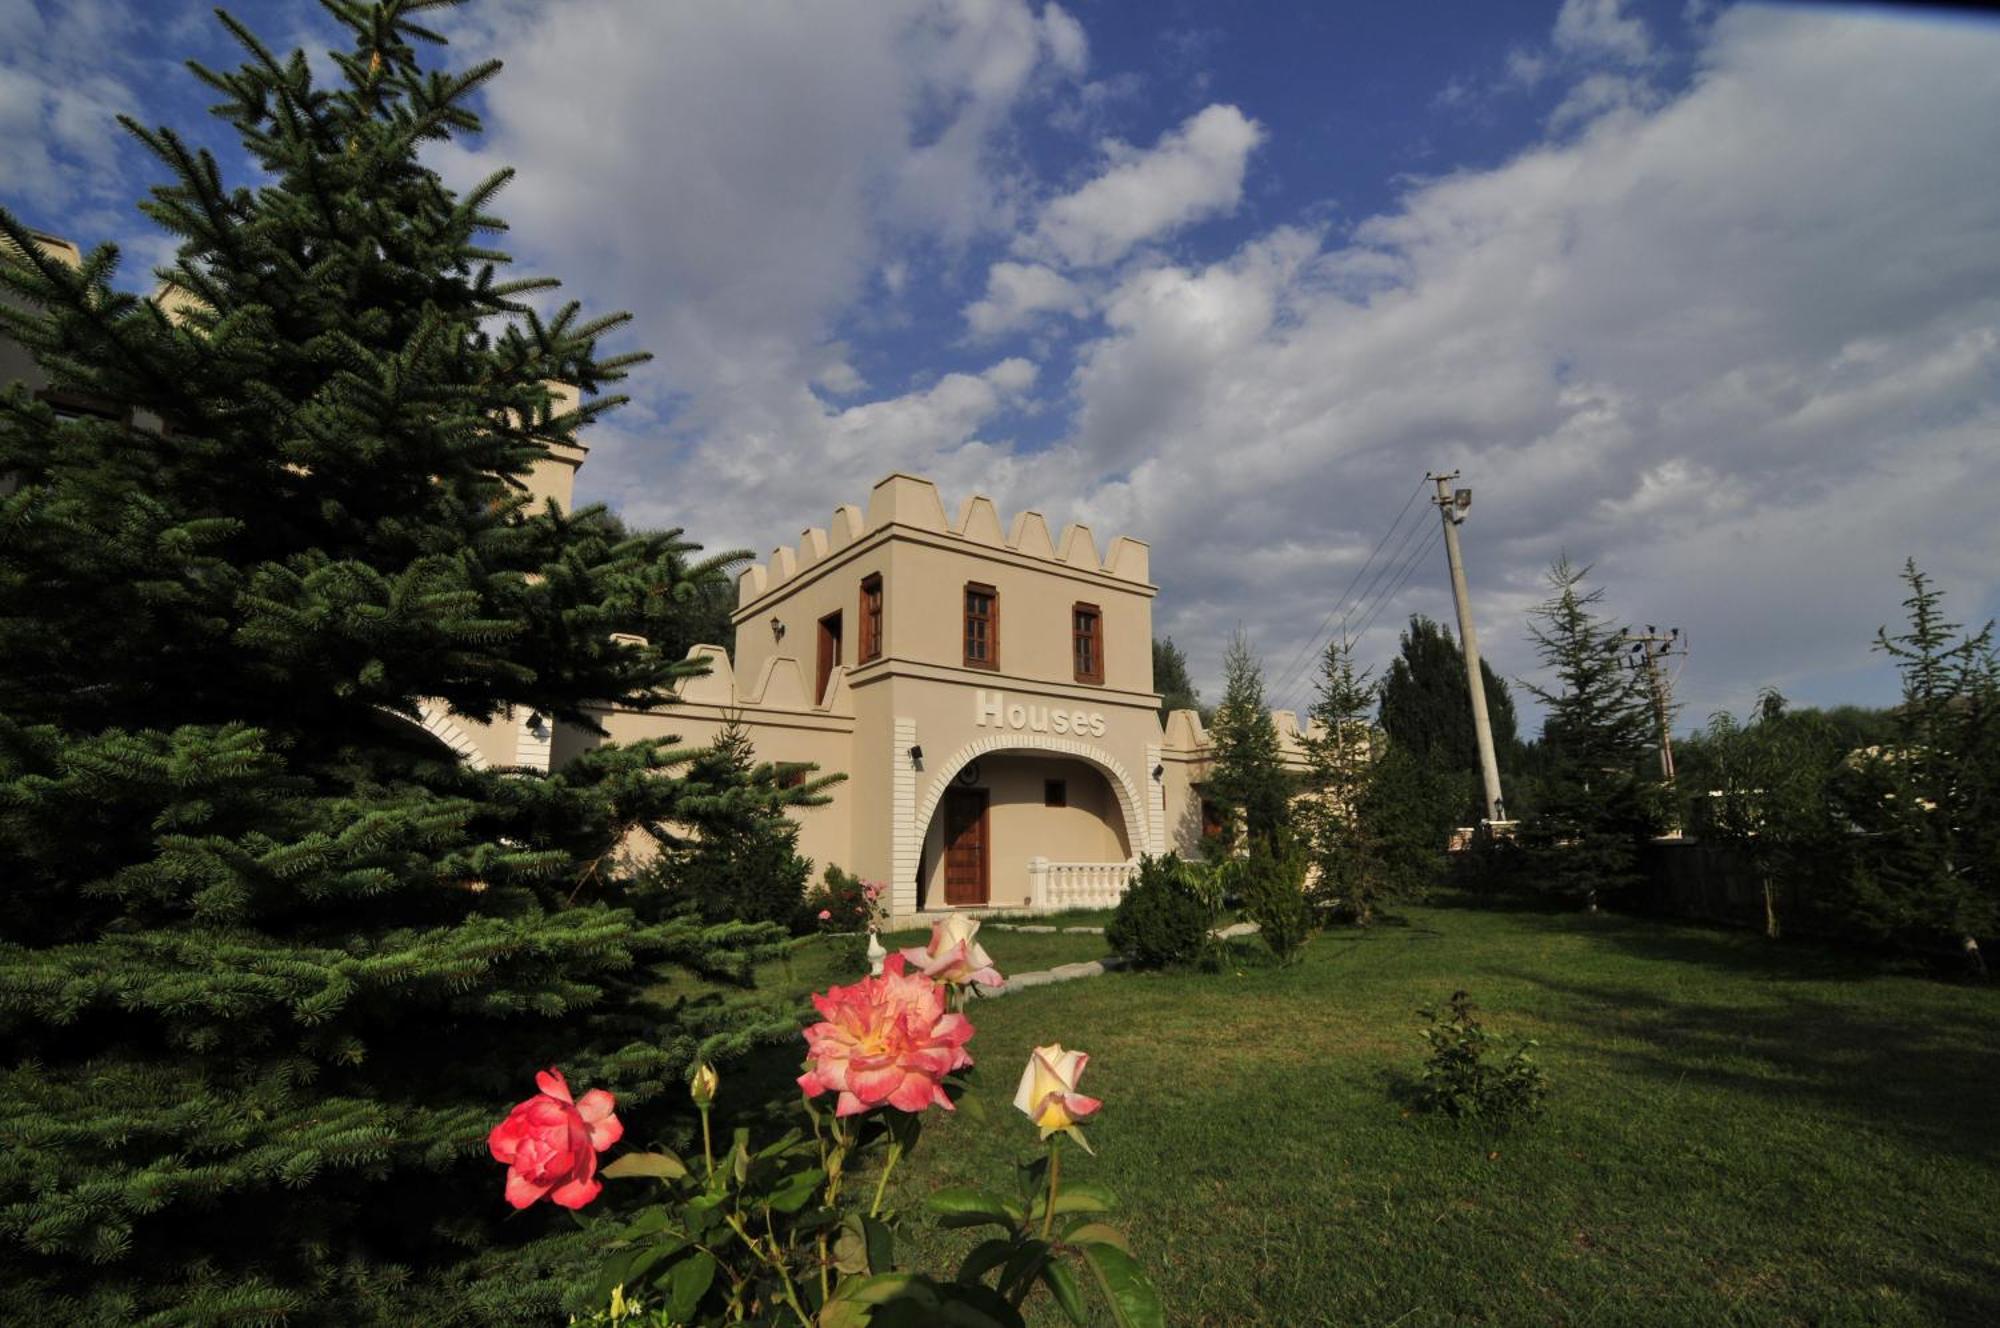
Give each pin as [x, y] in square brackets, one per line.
[953, 956]
[1048, 1095]
[550, 1143]
[884, 1040]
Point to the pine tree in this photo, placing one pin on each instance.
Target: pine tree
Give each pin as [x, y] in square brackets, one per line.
[1170, 679]
[271, 960]
[1929, 800]
[1342, 748]
[1594, 812]
[1247, 782]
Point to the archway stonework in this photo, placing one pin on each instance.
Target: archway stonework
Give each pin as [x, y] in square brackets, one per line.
[1136, 838]
[440, 725]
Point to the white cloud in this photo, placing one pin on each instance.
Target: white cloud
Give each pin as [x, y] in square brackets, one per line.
[1063, 36]
[1016, 293]
[1602, 29]
[1193, 172]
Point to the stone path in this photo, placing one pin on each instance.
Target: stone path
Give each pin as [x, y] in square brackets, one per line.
[1090, 968]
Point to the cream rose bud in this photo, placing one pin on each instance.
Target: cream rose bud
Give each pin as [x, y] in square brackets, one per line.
[953, 957]
[1048, 1096]
[703, 1085]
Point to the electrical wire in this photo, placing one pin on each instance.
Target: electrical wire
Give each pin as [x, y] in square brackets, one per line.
[1399, 576]
[1310, 648]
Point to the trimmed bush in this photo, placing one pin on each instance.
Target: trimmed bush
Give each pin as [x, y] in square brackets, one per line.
[1162, 921]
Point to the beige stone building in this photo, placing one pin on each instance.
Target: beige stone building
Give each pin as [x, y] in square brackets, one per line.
[985, 686]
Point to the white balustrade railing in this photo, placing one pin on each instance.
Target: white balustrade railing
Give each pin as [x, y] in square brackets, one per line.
[1058, 885]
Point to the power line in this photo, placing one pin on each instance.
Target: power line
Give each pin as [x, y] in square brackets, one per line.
[1312, 642]
[1394, 576]
[1409, 569]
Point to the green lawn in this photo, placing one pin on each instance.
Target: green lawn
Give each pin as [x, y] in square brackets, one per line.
[1737, 1133]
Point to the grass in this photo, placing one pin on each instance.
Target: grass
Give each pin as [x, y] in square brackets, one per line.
[1737, 1133]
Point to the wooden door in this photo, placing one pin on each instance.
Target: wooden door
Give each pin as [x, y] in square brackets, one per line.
[967, 852]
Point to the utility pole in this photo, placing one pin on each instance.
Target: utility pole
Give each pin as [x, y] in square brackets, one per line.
[1648, 649]
[1451, 507]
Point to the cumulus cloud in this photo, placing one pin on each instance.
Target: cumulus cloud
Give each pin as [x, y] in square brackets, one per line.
[1602, 29]
[1016, 293]
[1193, 172]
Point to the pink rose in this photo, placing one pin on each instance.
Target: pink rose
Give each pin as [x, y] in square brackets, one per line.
[884, 1040]
[953, 956]
[1048, 1095]
[826, 915]
[551, 1143]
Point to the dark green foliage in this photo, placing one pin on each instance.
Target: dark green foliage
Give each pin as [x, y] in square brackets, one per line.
[1170, 679]
[274, 960]
[1341, 748]
[1593, 808]
[1408, 810]
[1766, 794]
[1465, 1079]
[740, 863]
[678, 602]
[1927, 866]
[1424, 706]
[1162, 919]
[1247, 783]
[1272, 887]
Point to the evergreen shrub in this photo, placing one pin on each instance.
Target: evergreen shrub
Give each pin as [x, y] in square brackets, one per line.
[1162, 920]
[1273, 888]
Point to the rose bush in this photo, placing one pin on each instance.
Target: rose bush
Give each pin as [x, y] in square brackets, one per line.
[550, 1143]
[768, 1236]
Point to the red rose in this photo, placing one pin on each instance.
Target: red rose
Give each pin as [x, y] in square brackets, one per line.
[551, 1143]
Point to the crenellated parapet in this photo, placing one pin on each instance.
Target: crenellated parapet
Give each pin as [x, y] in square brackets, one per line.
[913, 503]
[1185, 737]
[779, 685]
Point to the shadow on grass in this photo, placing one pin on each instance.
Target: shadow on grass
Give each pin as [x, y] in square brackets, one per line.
[1928, 1075]
[1744, 953]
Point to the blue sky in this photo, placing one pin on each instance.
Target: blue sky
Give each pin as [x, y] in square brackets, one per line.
[1705, 295]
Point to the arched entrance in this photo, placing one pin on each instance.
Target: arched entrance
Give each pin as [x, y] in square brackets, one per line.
[1005, 811]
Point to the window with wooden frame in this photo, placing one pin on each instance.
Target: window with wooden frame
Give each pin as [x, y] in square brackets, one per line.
[829, 654]
[982, 626]
[1086, 633]
[871, 619]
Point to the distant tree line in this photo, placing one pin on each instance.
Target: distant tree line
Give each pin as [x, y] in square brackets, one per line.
[1883, 825]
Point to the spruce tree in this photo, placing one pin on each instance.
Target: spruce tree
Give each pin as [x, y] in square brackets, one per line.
[681, 601]
[272, 961]
[1585, 836]
[1170, 679]
[1930, 865]
[1342, 748]
[1247, 782]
